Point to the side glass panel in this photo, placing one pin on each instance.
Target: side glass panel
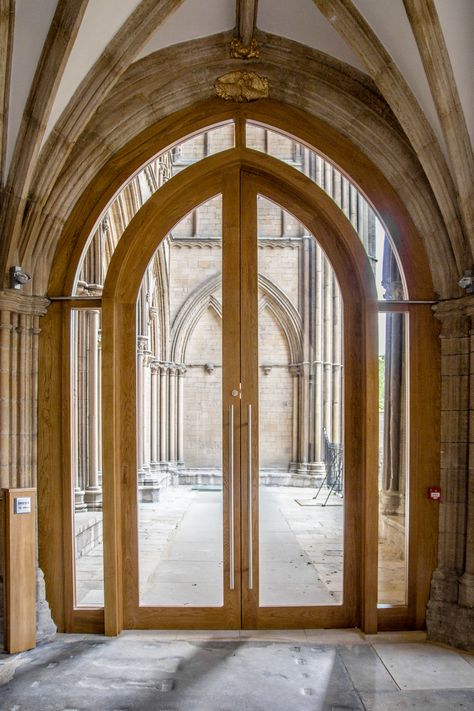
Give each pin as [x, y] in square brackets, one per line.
[133, 195]
[86, 457]
[393, 459]
[179, 416]
[301, 490]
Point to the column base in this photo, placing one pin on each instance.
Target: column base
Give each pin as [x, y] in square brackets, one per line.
[445, 585]
[466, 590]
[45, 627]
[450, 623]
[392, 503]
[79, 504]
[149, 493]
[93, 498]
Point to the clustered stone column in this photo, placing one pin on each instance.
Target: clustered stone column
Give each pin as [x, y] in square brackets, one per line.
[394, 468]
[86, 411]
[160, 421]
[19, 333]
[450, 615]
[317, 380]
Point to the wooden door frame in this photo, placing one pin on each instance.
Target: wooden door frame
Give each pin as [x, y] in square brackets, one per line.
[318, 212]
[54, 474]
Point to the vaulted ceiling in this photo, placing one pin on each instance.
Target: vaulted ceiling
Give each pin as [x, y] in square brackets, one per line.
[58, 55]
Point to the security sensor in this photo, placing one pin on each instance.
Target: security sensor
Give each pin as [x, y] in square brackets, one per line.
[18, 277]
[467, 281]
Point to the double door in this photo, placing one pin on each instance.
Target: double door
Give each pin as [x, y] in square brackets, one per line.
[249, 515]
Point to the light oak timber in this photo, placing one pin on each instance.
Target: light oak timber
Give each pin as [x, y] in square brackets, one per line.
[305, 128]
[424, 466]
[250, 398]
[19, 579]
[176, 198]
[52, 509]
[145, 239]
[232, 339]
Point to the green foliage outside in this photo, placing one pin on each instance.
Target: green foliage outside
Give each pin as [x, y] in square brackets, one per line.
[381, 382]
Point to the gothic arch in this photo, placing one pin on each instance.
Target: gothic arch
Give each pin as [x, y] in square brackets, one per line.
[272, 298]
[365, 142]
[285, 314]
[189, 315]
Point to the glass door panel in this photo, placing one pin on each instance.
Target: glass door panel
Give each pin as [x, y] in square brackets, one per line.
[86, 457]
[301, 504]
[179, 421]
[393, 459]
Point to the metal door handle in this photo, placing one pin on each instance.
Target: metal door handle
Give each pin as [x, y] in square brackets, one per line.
[231, 497]
[250, 513]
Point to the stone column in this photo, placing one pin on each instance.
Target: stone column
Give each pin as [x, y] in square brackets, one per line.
[19, 333]
[450, 614]
[327, 348]
[76, 414]
[163, 416]
[180, 452]
[295, 370]
[155, 408]
[337, 366]
[93, 493]
[172, 413]
[142, 344]
[318, 353]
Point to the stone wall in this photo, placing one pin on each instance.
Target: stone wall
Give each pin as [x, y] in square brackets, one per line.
[450, 614]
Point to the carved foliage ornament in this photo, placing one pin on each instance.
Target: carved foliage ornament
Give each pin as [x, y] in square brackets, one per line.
[241, 86]
[240, 51]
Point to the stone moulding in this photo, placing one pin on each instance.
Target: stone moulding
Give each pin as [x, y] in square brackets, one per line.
[241, 86]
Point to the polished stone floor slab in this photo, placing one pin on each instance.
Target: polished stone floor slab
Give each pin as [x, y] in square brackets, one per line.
[282, 670]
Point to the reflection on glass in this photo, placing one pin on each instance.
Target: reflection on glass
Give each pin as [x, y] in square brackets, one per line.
[344, 193]
[133, 195]
[179, 428]
[87, 457]
[393, 459]
[300, 416]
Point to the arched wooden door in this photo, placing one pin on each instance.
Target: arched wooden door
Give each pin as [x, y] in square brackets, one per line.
[240, 177]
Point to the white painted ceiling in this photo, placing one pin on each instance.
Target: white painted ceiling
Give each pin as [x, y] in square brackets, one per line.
[299, 20]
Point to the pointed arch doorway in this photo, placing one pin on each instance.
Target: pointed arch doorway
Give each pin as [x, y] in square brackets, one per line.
[240, 176]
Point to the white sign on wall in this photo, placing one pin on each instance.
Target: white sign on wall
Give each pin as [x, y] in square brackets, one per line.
[22, 504]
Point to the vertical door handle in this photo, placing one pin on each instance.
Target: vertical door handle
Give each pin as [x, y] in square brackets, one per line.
[231, 497]
[250, 512]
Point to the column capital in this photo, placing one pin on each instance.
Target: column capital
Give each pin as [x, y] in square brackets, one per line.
[142, 344]
[456, 316]
[295, 369]
[11, 300]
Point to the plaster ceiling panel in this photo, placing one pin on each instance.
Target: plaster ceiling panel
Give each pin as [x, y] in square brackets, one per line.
[102, 19]
[390, 23]
[457, 22]
[301, 21]
[32, 21]
[192, 19]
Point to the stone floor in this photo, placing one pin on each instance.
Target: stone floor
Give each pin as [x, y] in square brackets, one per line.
[317, 670]
[301, 551]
